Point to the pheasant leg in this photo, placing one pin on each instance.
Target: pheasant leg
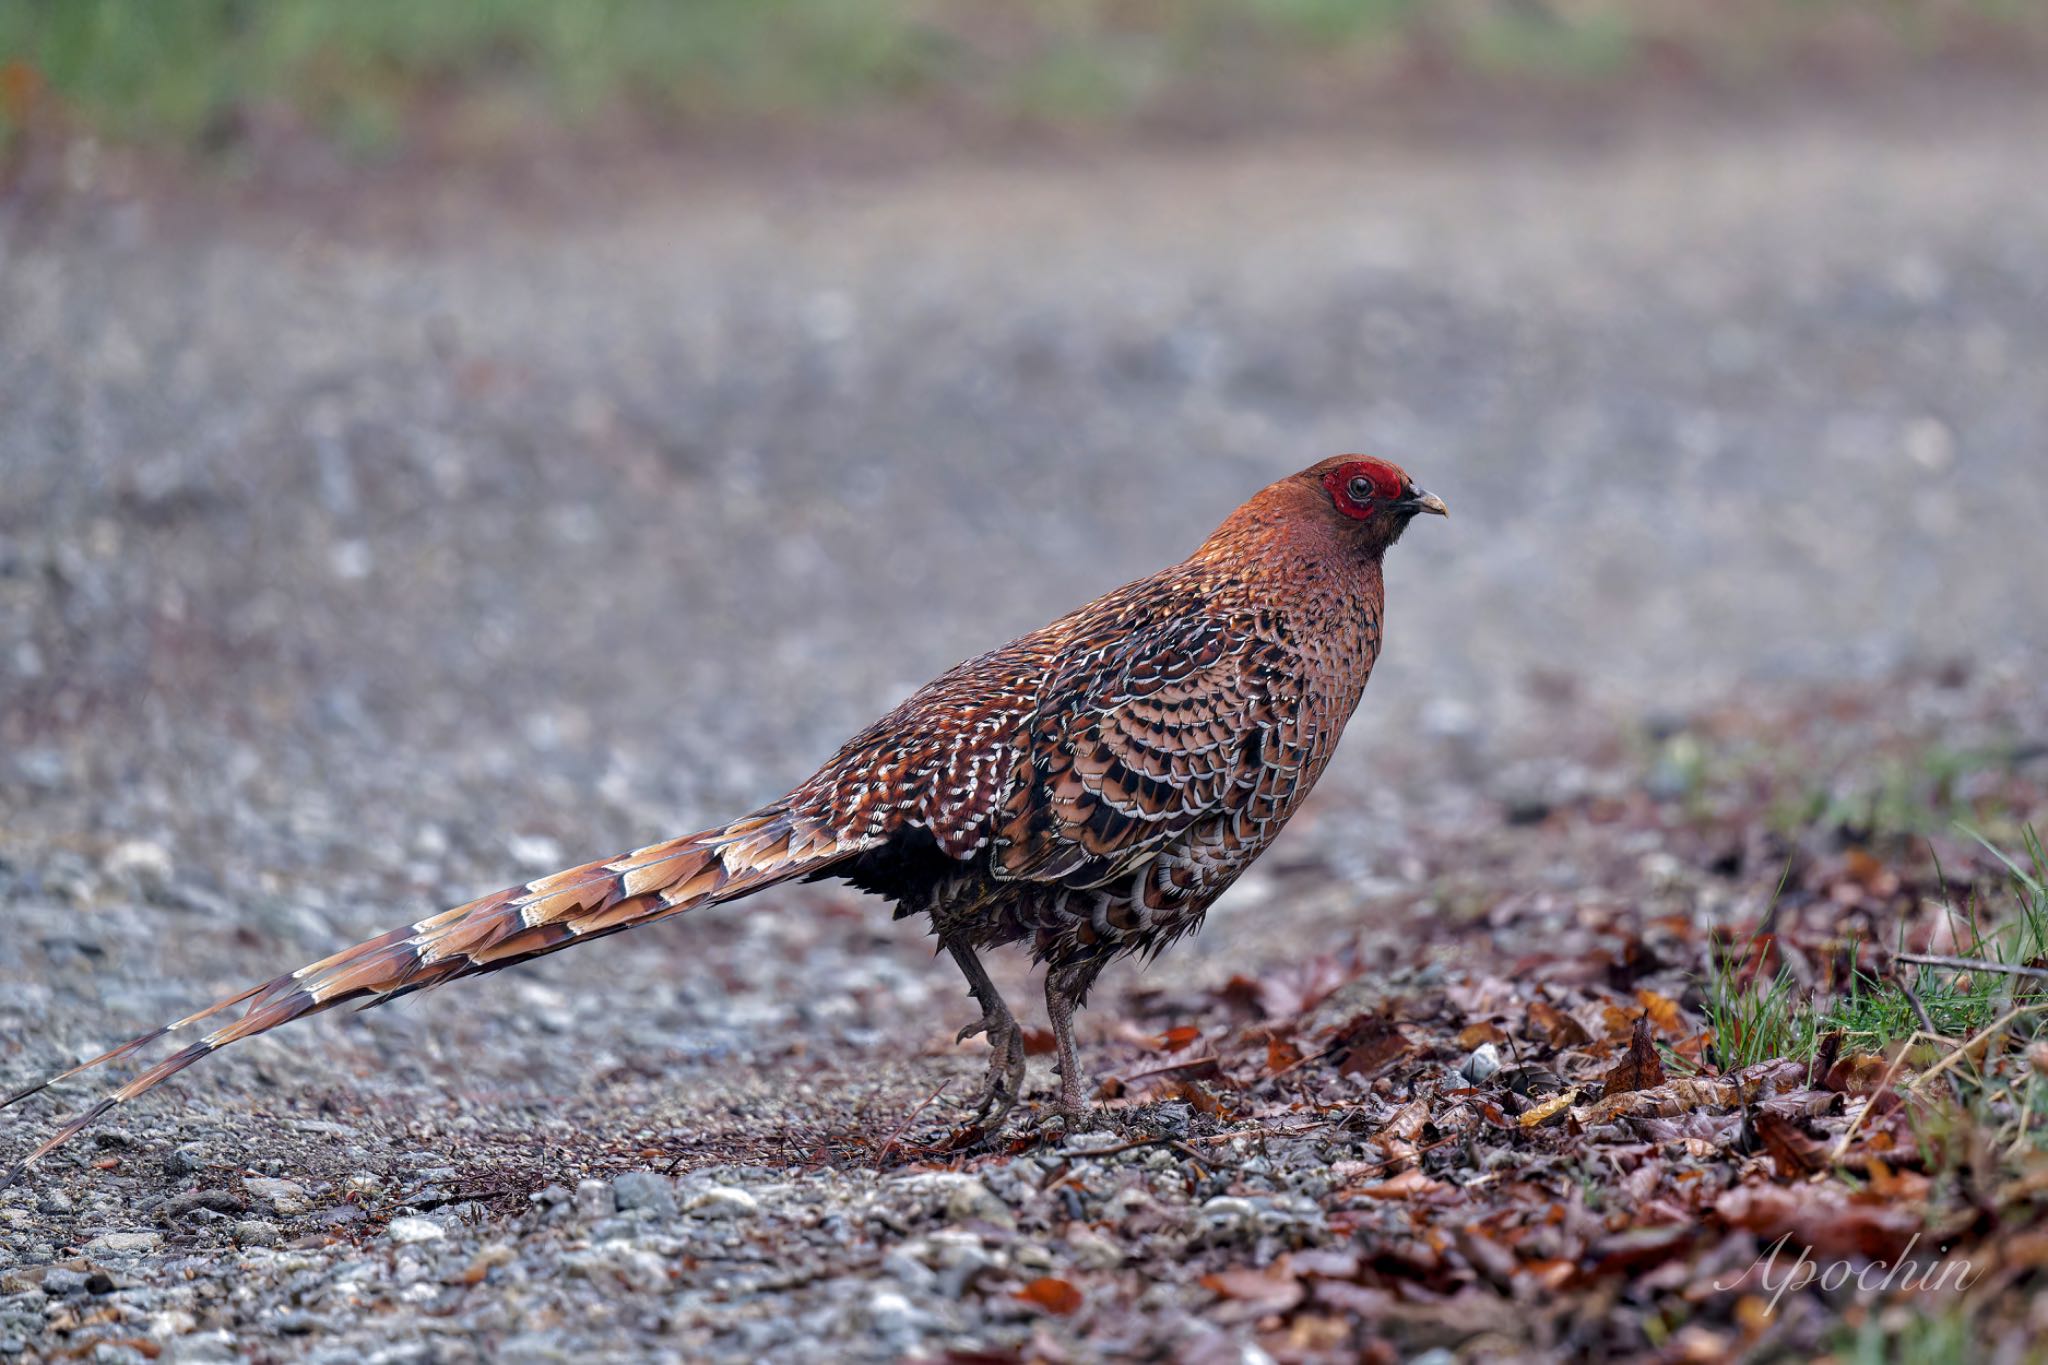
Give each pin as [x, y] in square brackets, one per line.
[1066, 990]
[1005, 1083]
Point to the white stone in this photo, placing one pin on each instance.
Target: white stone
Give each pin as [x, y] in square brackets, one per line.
[411, 1231]
[722, 1201]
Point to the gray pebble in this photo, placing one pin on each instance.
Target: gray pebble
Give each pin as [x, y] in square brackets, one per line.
[256, 1233]
[646, 1190]
[281, 1196]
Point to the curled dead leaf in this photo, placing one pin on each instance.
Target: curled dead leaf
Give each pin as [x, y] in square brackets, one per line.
[1550, 1108]
[1857, 1073]
[1671, 1099]
[1794, 1153]
[1556, 1027]
[1406, 1123]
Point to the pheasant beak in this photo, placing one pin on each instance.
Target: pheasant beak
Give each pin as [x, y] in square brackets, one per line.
[1419, 501]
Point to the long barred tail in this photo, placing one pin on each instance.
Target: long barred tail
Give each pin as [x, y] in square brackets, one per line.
[771, 845]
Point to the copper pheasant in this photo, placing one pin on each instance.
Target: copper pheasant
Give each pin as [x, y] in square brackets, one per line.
[1086, 790]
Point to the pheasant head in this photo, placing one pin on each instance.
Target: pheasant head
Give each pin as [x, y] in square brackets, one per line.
[1350, 507]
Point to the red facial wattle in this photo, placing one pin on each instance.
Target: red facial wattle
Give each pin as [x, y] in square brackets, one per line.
[1388, 485]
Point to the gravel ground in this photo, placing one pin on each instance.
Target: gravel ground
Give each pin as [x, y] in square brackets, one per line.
[347, 573]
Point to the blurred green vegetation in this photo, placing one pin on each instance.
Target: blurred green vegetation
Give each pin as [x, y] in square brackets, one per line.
[189, 73]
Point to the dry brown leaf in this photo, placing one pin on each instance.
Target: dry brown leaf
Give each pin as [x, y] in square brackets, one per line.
[1406, 1123]
[1823, 1217]
[1272, 1290]
[1616, 1022]
[1639, 1068]
[1663, 1011]
[1671, 1099]
[1858, 1073]
[1199, 1098]
[1367, 1044]
[1795, 1154]
[1281, 1055]
[1291, 991]
[1556, 1027]
[1475, 1035]
[1897, 1187]
[1053, 1295]
[1409, 1184]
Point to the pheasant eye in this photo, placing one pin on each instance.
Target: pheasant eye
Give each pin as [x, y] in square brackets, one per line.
[1360, 489]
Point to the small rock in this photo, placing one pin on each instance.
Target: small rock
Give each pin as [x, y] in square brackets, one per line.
[889, 1314]
[172, 1323]
[962, 1265]
[594, 1199]
[204, 1348]
[1484, 1061]
[145, 865]
[1095, 1140]
[410, 1231]
[1230, 1216]
[1173, 1120]
[901, 1263]
[971, 1200]
[59, 1283]
[183, 1161]
[125, 1243]
[646, 1190]
[1091, 1250]
[254, 1232]
[722, 1201]
[280, 1196]
[215, 1201]
[634, 1267]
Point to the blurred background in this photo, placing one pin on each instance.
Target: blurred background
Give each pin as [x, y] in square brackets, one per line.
[442, 442]
[598, 411]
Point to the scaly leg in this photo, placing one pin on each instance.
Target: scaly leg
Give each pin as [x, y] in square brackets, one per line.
[1005, 1083]
[1066, 990]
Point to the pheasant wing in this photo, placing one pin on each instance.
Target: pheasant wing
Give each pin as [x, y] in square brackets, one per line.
[1146, 729]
